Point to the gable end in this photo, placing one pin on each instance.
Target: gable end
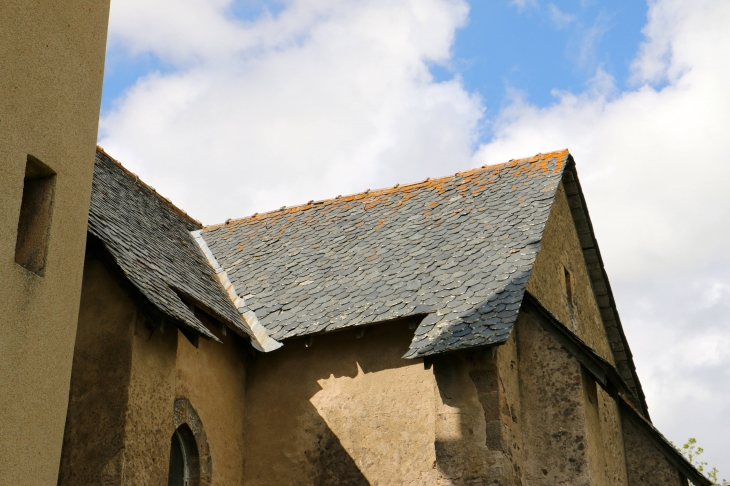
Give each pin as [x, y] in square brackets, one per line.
[601, 286]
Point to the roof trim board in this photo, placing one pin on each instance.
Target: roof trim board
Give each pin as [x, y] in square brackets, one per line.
[260, 339]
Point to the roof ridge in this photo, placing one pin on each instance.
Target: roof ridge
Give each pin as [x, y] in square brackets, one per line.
[376, 192]
[139, 181]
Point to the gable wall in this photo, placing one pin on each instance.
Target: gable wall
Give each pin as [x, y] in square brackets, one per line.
[561, 249]
[646, 465]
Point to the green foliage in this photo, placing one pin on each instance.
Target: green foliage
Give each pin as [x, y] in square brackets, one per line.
[692, 451]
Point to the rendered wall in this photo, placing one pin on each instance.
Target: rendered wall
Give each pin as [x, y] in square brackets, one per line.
[213, 378]
[93, 443]
[343, 411]
[126, 378]
[149, 424]
[51, 65]
[478, 437]
[351, 411]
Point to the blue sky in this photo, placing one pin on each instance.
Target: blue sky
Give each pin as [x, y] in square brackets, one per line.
[505, 48]
[540, 48]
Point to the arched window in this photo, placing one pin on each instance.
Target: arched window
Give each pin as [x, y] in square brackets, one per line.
[184, 460]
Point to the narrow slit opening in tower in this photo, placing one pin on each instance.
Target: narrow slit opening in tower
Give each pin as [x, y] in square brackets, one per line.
[36, 209]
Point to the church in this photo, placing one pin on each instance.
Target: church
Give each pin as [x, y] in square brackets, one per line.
[456, 331]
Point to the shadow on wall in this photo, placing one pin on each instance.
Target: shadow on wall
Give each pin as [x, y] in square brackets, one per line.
[344, 410]
[333, 465]
[469, 443]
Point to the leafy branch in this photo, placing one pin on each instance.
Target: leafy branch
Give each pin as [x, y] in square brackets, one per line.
[692, 452]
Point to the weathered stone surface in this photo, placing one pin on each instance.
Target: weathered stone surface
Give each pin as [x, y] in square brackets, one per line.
[561, 250]
[553, 410]
[646, 465]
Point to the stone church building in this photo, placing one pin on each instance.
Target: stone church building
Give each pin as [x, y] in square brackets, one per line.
[456, 331]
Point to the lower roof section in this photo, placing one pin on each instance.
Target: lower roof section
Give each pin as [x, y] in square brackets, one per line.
[149, 240]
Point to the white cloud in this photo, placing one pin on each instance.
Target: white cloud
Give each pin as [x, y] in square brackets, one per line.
[334, 98]
[559, 18]
[330, 97]
[523, 4]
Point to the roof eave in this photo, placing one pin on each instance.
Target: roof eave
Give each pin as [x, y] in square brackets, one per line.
[99, 248]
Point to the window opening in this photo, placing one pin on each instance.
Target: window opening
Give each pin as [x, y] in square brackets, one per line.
[184, 461]
[34, 223]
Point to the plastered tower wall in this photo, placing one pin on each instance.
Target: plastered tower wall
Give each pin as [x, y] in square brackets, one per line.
[51, 71]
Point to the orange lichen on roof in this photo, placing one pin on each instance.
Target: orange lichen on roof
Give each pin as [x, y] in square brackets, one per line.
[150, 188]
[528, 167]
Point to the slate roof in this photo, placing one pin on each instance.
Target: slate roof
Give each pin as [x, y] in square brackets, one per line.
[149, 240]
[458, 250]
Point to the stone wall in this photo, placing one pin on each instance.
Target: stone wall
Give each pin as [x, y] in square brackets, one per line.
[553, 410]
[646, 465]
[561, 251]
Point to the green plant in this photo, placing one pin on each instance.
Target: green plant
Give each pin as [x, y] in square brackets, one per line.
[692, 451]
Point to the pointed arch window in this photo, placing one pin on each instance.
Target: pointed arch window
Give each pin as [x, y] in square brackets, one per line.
[184, 459]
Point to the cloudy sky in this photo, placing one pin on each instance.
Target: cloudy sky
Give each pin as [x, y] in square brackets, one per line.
[233, 107]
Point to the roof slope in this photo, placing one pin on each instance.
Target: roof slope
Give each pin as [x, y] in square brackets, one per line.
[458, 249]
[149, 240]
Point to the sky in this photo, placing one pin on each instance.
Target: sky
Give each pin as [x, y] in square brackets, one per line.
[234, 107]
